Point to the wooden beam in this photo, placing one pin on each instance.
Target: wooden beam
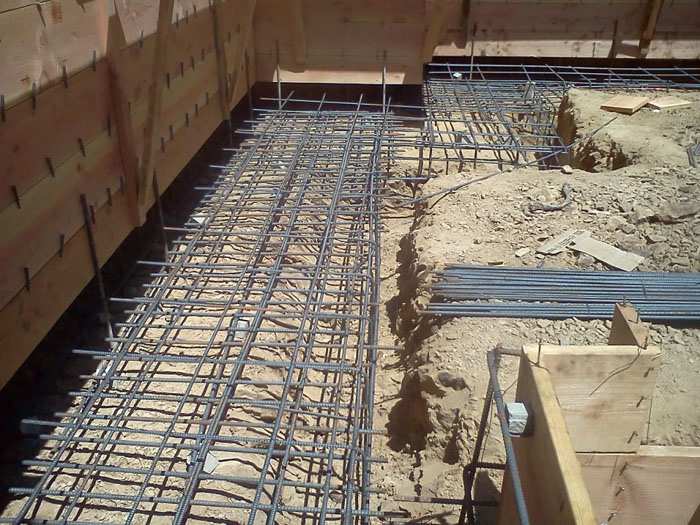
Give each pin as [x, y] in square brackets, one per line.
[655, 485]
[165, 16]
[649, 28]
[116, 41]
[298, 31]
[550, 472]
[435, 29]
[627, 328]
[604, 391]
[217, 9]
[239, 51]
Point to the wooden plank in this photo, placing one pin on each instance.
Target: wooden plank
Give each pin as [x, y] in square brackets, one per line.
[39, 41]
[604, 391]
[436, 28]
[607, 253]
[296, 14]
[550, 472]
[655, 485]
[669, 103]
[626, 104]
[31, 234]
[116, 41]
[51, 129]
[627, 328]
[649, 29]
[165, 16]
[217, 9]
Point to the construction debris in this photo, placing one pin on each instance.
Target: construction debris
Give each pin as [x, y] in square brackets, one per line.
[539, 206]
[606, 253]
[581, 241]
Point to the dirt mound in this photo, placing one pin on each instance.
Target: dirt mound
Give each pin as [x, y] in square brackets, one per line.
[658, 138]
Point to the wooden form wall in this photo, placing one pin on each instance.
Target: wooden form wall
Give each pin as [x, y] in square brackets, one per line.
[584, 464]
[137, 98]
[572, 28]
[98, 95]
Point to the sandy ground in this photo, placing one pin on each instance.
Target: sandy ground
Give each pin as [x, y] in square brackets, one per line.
[431, 394]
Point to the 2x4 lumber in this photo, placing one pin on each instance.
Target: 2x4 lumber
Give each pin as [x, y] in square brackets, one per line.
[649, 29]
[604, 392]
[549, 469]
[655, 485]
[116, 40]
[218, 12]
[296, 8]
[245, 36]
[435, 29]
[165, 16]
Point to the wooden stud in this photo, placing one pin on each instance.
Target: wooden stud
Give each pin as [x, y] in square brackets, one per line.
[165, 15]
[435, 30]
[298, 31]
[116, 40]
[648, 31]
[218, 18]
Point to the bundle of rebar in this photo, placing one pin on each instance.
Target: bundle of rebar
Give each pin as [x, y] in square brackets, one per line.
[487, 291]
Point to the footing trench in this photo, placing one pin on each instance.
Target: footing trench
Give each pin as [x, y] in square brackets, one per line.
[241, 387]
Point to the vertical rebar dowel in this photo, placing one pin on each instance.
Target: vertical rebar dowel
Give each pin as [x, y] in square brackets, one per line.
[279, 78]
[248, 86]
[161, 217]
[384, 82]
[96, 263]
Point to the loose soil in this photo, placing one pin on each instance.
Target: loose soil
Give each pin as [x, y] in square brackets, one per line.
[430, 393]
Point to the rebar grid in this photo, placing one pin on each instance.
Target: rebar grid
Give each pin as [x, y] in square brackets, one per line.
[240, 389]
[491, 122]
[560, 78]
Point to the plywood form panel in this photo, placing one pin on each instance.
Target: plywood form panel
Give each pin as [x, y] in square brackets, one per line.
[39, 41]
[31, 235]
[345, 41]
[655, 485]
[604, 392]
[49, 130]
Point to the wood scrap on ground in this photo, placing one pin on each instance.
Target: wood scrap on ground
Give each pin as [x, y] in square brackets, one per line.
[607, 253]
[581, 241]
[669, 103]
[627, 104]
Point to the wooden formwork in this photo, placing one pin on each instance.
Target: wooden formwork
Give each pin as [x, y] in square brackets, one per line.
[583, 463]
[98, 97]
